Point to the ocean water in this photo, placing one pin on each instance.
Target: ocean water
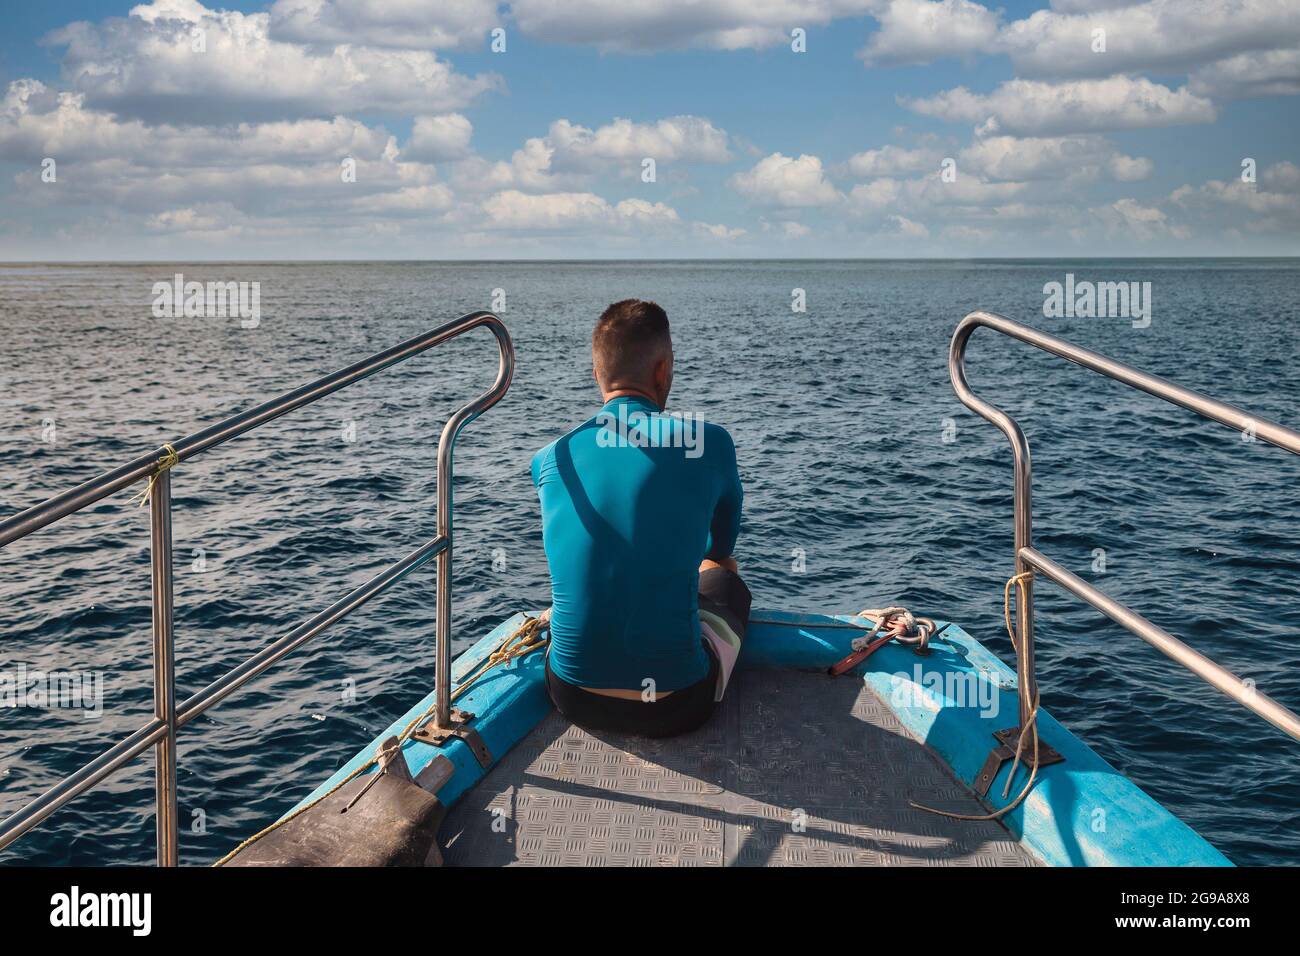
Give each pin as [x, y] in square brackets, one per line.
[855, 454]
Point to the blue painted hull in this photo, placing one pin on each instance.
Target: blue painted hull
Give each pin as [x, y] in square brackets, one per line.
[1082, 812]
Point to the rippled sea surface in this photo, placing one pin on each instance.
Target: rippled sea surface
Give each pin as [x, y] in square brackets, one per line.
[841, 414]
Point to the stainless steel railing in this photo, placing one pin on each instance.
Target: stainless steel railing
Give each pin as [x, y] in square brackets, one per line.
[160, 733]
[1029, 558]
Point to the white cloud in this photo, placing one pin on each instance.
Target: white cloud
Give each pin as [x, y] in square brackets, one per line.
[968, 194]
[785, 229]
[1273, 73]
[36, 121]
[1089, 6]
[892, 161]
[906, 228]
[205, 221]
[1128, 169]
[245, 183]
[965, 190]
[529, 168]
[145, 65]
[566, 158]
[413, 24]
[190, 11]
[179, 178]
[718, 231]
[645, 212]
[919, 31]
[512, 209]
[1261, 38]
[1019, 159]
[1284, 176]
[685, 138]
[1271, 207]
[1128, 218]
[1236, 193]
[242, 142]
[877, 194]
[1033, 107]
[980, 215]
[432, 197]
[779, 180]
[972, 235]
[1160, 35]
[437, 138]
[645, 25]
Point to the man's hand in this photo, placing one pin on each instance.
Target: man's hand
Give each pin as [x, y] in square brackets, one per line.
[728, 563]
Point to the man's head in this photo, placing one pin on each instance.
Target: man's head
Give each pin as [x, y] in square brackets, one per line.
[632, 352]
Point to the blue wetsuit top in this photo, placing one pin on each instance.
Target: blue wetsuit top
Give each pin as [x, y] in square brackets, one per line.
[632, 500]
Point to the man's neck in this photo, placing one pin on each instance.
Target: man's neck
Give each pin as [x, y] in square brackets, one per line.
[631, 392]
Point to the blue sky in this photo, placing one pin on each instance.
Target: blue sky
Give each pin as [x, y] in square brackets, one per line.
[175, 129]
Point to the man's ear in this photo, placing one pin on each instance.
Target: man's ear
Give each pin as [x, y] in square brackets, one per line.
[664, 375]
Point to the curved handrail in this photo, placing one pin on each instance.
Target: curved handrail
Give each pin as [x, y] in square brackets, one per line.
[1030, 559]
[160, 732]
[61, 505]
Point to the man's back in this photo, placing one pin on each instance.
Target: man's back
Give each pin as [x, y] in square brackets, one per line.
[632, 500]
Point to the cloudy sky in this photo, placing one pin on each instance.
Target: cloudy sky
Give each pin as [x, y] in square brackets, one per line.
[663, 128]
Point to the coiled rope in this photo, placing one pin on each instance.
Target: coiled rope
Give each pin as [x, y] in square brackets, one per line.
[904, 627]
[1031, 725]
[526, 639]
[898, 623]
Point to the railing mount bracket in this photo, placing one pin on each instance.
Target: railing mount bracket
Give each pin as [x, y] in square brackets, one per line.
[1005, 752]
[457, 727]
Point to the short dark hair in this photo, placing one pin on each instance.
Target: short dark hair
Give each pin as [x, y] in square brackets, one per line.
[630, 336]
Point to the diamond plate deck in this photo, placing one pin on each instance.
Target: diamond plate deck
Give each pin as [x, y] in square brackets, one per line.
[795, 769]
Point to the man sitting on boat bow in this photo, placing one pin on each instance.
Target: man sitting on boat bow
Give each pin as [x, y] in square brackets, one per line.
[640, 512]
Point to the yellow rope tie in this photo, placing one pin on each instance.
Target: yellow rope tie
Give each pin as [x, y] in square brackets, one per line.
[529, 639]
[1015, 581]
[1031, 725]
[168, 461]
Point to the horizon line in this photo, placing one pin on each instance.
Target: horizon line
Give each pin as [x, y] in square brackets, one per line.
[609, 260]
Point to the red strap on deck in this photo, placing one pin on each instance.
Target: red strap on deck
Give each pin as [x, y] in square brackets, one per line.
[857, 657]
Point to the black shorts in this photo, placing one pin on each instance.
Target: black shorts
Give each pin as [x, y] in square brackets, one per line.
[723, 593]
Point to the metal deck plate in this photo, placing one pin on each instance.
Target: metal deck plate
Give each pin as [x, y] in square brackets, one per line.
[795, 769]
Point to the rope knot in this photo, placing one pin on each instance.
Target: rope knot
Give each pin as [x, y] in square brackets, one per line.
[1015, 581]
[168, 460]
[899, 622]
